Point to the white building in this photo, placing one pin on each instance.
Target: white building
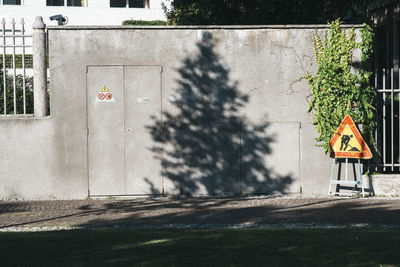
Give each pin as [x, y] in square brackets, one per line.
[82, 12]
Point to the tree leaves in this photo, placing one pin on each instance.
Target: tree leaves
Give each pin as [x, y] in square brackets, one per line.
[18, 93]
[262, 12]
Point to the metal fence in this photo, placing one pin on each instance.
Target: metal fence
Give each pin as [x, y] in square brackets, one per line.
[16, 95]
[387, 134]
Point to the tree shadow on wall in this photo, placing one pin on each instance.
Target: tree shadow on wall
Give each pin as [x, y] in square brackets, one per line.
[208, 145]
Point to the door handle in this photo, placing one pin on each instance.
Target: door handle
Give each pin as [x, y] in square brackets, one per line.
[129, 130]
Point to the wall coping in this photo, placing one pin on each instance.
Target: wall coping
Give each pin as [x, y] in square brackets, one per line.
[202, 27]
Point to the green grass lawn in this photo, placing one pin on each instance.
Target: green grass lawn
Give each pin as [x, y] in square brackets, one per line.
[209, 247]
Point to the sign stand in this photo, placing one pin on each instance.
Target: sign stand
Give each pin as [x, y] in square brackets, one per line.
[346, 143]
[346, 182]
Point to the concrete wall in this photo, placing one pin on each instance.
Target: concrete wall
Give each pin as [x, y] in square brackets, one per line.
[35, 161]
[263, 64]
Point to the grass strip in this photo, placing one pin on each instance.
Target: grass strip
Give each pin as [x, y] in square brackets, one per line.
[206, 247]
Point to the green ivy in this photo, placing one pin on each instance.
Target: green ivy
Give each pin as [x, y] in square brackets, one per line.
[335, 90]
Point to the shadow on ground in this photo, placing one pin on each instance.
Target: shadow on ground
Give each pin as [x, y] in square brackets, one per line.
[252, 212]
[198, 212]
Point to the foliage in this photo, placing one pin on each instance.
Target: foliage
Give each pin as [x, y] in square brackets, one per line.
[335, 90]
[143, 22]
[18, 61]
[19, 94]
[258, 12]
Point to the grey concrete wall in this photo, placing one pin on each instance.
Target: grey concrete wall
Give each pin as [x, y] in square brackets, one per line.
[262, 63]
[36, 162]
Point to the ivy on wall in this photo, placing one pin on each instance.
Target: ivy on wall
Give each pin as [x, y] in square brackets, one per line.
[335, 90]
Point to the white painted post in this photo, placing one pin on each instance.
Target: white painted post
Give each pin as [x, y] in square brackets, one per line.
[39, 68]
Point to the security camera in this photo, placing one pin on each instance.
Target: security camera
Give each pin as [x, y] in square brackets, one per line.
[60, 19]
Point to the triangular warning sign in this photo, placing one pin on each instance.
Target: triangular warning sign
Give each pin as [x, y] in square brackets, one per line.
[347, 141]
[105, 95]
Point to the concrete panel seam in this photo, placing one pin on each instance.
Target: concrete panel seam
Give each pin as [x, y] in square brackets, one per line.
[87, 136]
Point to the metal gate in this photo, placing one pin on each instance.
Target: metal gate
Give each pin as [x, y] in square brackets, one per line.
[388, 122]
[121, 102]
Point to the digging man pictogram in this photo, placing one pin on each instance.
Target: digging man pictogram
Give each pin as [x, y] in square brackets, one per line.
[345, 142]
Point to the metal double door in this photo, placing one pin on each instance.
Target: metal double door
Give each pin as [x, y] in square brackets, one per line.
[123, 102]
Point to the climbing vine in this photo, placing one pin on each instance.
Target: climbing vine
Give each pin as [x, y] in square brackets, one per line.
[336, 90]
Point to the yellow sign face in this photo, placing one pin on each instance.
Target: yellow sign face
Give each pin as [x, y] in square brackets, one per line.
[347, 142]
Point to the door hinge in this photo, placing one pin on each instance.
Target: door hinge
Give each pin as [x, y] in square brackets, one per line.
[87, 131]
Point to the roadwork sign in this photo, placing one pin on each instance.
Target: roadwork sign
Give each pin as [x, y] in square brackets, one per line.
[104, 95]
[347, 141]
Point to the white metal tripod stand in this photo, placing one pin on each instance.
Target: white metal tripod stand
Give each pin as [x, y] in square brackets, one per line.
[346, 181]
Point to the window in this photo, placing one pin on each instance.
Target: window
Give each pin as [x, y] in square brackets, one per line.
[117, 3]
[12, 2]
[55, 2]
[75, 3]
[65, 2]
[136, 3]
[127, 3]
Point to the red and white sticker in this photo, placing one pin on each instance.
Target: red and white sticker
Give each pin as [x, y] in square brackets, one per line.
[104, 95]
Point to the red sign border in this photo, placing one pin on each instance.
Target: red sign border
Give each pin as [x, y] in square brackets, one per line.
[102, 95]
[108, 94]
